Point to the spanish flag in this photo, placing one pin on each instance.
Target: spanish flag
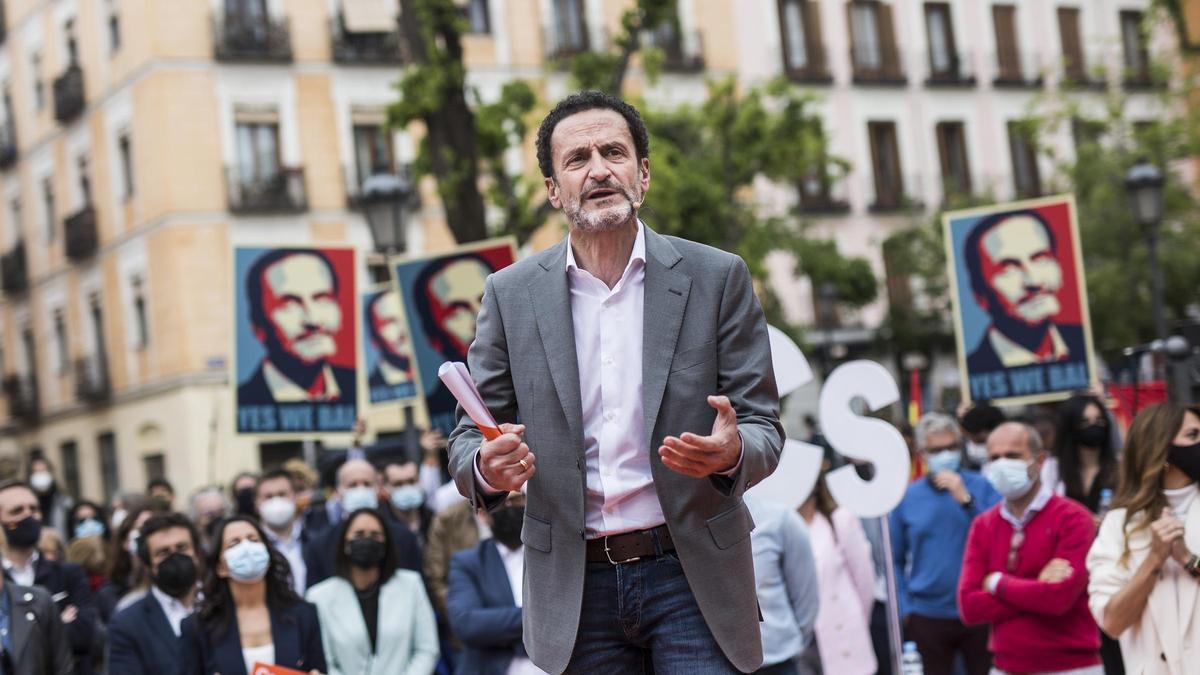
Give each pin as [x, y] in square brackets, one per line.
[914, 397]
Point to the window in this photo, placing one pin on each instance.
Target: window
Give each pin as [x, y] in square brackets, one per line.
[257, 151]
[114, 28]
[154, 466]
[62, 353]
[943, 58]
[570, 27]
[372, 150]
[28, 345]
[1021, 143]
[952, 150]
[109, 474]
[126, 155]
[85, 180]
[885, 160]
[1137, 59]
[71, 43]
[69, 461]
[1008, 55]
[1086, 132]
[48, 207]
[800, 29]
[1072, 45]
[96, 313]
[141, 321]
[478, 18]
[873, 53]
[39, 86]
[14, 216]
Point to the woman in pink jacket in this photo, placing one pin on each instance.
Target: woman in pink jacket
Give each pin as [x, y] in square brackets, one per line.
[846, 578]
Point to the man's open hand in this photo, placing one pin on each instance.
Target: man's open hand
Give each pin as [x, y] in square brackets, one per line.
[702, 456]
[506, 463]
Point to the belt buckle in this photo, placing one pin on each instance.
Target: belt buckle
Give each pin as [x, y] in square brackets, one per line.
[608, 554]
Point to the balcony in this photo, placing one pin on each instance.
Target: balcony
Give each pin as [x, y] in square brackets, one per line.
[823, 194]
[681, 54]
[368, 49]
[68, 94]
[92, 384]
[1086, 71]
[813, 68]
[8, 144]
[562, 45]
[1142, 77]
[282, 192]
[243, 39]
[14, 271]
[354, 184]
[22, 394]
[896, 194]
[881, 66]
[954, 70]
[1017, 71]
[81, 237]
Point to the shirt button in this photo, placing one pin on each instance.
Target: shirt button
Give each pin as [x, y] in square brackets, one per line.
[610, 415]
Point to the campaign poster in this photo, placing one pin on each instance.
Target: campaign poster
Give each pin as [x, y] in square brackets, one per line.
[387, 351]
[296, 336]
[442, 295]
[1020, 301]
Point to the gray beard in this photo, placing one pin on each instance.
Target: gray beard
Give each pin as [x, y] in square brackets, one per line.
[611, 218]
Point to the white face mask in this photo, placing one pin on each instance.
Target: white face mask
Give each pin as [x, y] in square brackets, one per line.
[277, 511]
[41, 481]
[131, 544]
[118, 517]
[977, 452]
[359, 498]
[1010, 477]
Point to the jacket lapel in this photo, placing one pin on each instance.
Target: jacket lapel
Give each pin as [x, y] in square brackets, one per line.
[666, 296]
[286, 636]
[552, 303]
[349, 613]
[1189, 591]
[156, 618]
[495, 574]
[22, 619]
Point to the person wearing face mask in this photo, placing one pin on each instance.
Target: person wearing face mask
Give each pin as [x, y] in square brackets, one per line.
[977, 423]
[144, 637]
[1023, 573]
[275, 501]
[406, 498]
[1085, 459]
[161, 494]
[357, 488]
[1144, 564]
[21, 520]
[242, 492]
[249, 613]
[375, 617]
[55, 506]
[87, 520]
[485, 598]
[929, 533]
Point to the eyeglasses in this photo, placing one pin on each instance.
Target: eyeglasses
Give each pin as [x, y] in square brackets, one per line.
[1014, 545]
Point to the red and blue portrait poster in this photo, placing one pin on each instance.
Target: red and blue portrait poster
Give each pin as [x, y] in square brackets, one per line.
[442, 295]
[388, 358]
[295, 340]
[1020, 302]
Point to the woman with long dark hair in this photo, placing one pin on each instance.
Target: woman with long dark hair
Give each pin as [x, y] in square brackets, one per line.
[359, 634]
[128, 576]
[250, 614]
[1144, 571]
[1084, 452]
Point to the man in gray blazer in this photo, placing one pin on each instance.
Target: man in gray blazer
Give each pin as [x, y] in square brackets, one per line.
[640, 371]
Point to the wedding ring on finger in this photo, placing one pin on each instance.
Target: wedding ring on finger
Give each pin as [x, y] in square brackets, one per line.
[524, 464]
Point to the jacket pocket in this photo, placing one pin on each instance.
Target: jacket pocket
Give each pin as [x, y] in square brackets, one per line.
[535, 533]
[694, 356]
[731, 527]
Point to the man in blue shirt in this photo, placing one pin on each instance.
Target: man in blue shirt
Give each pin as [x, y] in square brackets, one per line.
[929, 534]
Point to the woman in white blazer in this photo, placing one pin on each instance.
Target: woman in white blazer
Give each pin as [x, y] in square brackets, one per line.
[375, 617]
[1144, 586]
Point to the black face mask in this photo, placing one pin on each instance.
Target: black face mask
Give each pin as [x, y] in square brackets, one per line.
[506, 525]
[1093, 435]
[366, 553]
[176, 575]
[1186, 458]
[245, 501]
[25, 533]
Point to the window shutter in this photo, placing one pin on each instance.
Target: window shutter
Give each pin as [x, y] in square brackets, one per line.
[887, 40]
[812, 36]
[1007, 56]
[1072, 47]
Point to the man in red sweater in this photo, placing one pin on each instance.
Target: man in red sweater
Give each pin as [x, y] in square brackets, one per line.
[1023, 571]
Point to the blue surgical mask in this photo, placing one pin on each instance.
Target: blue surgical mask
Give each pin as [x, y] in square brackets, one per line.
[407, 497]
[946, 460]
[247, 561]
[1010, 477]
[359, 498]
[89, 528]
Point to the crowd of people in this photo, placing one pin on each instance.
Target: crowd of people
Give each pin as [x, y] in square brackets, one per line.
[1021, 546]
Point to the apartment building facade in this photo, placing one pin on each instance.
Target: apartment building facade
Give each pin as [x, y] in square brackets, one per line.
[141, 141]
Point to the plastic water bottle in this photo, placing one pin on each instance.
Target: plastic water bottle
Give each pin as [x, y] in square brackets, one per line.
[1106, 496]
[910, 660]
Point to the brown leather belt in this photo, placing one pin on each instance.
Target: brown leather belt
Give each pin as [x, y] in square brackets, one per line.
[630, 546]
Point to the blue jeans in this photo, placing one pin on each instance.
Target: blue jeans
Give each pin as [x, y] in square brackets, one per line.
[641, 617]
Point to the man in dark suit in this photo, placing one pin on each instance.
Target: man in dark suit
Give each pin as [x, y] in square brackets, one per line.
[144, 637]
[21, 519]
[293, 299]
[357, 488]
[34, 643]
[1016, 277]
[484, 598]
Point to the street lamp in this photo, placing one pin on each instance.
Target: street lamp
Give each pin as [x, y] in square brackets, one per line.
[1144, 183]
[827, 292]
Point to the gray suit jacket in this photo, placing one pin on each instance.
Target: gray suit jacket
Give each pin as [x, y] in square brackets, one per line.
[704, 333]
[39, 645]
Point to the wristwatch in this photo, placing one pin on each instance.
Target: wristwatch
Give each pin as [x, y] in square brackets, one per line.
[970, 501]
[1192, 566]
